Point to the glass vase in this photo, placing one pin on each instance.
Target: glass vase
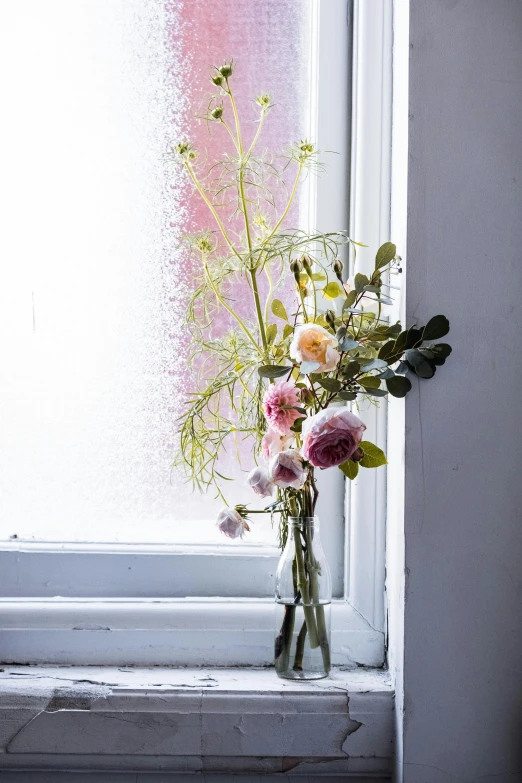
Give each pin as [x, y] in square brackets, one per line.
[303, 604]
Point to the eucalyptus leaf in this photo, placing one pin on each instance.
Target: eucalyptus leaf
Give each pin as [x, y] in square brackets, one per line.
[350, 300]
[437, 327]
[387, 373]
[287, 331]
[349, 468]
[419, 364]
[373, 457]
[351, 369]
[399, 386]
[374, 289]
[278, 309]
[387, 350]
[372, 364]
[369, 382]
[414, 336]
[341, 333]
[441, 349]
[377, 392]
[308, 367]
[347, 396]
[272, 370]
[348, 344]
[385, 254]
[361, 281]
[331, 384]
[402, 368]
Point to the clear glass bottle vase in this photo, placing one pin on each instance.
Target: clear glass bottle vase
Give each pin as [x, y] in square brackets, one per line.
[303, 604]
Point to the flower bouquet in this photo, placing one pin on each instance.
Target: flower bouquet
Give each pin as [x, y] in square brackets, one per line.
[281, 371]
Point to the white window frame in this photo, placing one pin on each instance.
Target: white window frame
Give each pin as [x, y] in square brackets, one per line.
[159, 622]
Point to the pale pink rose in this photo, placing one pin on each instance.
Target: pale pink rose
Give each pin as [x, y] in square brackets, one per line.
[286, 469]
[231, 523]
[277, 395]
[313, 343]
[259, 481]
[331, 437]
[272, 442]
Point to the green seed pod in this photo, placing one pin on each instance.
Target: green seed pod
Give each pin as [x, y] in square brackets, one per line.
[338, 268]
[217, 79]
[216, 113]
[226, 70]
[307, 264]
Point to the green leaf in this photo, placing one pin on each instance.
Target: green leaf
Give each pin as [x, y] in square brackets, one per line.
[348, 344]
[272, 370]
[414, 336]
[347, 396]
[437, 327]
[361, 281]
[400, 343]
[297, 426]
[373, 457]
[331, 384]
[351, 369]
[372, 364]
[399, 386]
[369, 382]
[385, 254]
[419, 364]
[441, 349]
[374, 289]
[341, 333]
[387, 373]
[278, 309]
[308, 367]
[317, 277]
[377, 392]
[332, 290]
[350, 299]
[387, 350]
[271, 333]
[349, 468]
[287, 331]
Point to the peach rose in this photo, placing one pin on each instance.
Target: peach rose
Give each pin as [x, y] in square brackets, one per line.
[313, 343]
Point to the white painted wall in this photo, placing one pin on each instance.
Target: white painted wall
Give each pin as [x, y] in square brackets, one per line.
[463, 498]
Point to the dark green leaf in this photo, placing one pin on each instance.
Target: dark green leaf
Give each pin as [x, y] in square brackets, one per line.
[399, 386]
[414, 336]
[373, 457]
[350, 300]
[341, 333]
[373, 289]
[330, 384]
[377, 392]
[350, 469]
[387, 350]
[272, 370]
[361, 281]
[437, 327]
[297, 426]
[385, 254]
[278, 309]
[387, 373]
[441, 349]
[347, 396]
[351, 369]
[419, 364]
[400, 343]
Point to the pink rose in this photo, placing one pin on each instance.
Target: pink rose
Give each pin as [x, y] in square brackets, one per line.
[277, 397]
[273, 443]
[331, 437]
[231, 523]
[286, 469]
[259, 481]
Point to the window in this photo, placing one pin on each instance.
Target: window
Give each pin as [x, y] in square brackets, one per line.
[92, 296]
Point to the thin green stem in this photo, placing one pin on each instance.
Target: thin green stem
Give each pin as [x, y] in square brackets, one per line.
[227, 307]
[289, 204]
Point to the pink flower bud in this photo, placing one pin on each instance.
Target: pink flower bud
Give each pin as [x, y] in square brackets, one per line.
[259, 480]
[231, 523]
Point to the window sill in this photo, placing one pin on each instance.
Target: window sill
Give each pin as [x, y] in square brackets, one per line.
[245, 721]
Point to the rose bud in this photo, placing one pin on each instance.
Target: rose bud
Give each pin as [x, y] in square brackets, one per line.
[286, 469]
[259, 481]
[231, 523]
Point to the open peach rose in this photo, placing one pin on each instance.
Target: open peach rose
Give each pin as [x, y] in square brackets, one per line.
[313, 343]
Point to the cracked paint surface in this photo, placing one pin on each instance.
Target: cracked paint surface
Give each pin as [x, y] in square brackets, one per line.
[195, 719]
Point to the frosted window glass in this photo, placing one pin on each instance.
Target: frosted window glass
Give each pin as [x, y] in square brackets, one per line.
[93, 283]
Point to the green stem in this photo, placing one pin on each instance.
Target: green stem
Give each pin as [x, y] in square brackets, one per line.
[299, 648]
[302, 582]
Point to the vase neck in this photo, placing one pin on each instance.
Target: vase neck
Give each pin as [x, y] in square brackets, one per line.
[303, 524]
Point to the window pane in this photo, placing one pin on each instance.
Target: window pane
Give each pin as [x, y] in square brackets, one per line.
[94, 281]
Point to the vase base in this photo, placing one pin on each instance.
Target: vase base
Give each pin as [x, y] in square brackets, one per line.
[303, 676]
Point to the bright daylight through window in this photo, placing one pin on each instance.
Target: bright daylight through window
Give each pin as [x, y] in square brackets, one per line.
[95, 278]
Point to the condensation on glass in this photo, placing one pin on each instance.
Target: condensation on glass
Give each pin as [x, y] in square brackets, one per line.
[94, 279]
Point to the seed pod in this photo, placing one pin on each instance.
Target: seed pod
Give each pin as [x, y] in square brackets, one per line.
[338, 268]
[307, 264]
